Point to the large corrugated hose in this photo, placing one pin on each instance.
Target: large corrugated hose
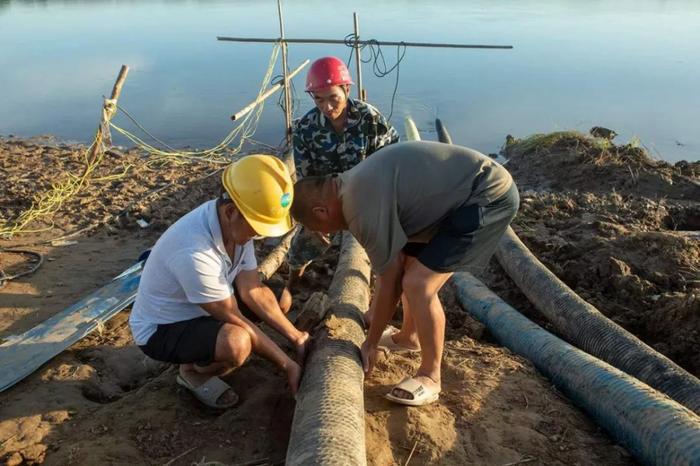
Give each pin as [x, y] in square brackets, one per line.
[441, 129]
[654, 428]
[329, 418]
[583, 325]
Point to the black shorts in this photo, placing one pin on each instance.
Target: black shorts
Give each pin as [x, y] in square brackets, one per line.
[467, 238]
[188, 341]
[194, 340]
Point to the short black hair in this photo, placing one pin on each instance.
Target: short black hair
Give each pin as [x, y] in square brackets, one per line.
[308, 193]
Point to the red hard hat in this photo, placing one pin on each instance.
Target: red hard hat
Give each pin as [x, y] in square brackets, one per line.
[327, 72]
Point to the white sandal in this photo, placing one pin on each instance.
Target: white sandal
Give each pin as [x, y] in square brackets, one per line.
[209, 392]
[387, 343]
[421, 394]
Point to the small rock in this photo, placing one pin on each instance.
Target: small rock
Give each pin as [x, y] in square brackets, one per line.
[605, 133]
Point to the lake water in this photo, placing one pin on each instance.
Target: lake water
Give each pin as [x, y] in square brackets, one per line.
[629, 65]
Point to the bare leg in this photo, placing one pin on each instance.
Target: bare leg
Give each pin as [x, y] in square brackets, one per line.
[421, 286]
[233, 346]
[295, 275]
[407, 335]
[217, 369]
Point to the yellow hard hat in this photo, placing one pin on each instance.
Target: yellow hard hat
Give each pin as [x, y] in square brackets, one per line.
[263, 192]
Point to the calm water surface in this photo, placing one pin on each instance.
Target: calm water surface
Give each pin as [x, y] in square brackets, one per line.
[633, 66]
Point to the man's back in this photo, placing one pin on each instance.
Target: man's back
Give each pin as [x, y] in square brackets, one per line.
[404, 190]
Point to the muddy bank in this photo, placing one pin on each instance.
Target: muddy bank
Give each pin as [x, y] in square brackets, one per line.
[618, 227]
[102, 401]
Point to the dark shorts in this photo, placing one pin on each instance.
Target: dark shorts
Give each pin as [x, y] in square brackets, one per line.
[194, 340]
[467, 238]
[188, 341]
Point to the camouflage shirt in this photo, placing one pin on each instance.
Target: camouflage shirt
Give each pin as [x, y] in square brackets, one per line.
[319, 150]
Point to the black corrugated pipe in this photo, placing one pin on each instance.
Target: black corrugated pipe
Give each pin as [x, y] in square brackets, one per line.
[654, 428]
[329, 418]
[584, 326]
[443, 135]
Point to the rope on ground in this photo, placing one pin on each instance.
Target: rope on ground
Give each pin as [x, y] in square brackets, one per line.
[47, 204]
[110, 218]
[39, 259]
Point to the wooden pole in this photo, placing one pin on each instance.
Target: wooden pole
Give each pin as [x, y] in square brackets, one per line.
[287, 93]
[109, 107]
[363, 42]
[358, 57]
[275, 87]
[117, 89]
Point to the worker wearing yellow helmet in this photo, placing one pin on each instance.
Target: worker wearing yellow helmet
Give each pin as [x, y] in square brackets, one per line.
[200, 284]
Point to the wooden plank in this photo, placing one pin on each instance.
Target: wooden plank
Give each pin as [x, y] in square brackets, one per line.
[21, 355]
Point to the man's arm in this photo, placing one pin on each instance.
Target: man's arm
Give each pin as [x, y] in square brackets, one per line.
[260, 299]
[386, 297]
[226, 310]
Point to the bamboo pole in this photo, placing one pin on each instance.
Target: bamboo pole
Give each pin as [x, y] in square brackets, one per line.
[287, 158]
[274, 260]
[363, 42]
[287, 93]
[275, 87]
[358, 56]
[109, 107]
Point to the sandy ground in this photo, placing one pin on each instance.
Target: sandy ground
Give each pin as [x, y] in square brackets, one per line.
[103, 402]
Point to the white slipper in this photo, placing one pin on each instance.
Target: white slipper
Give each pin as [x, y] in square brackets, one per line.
[387, 343]
[209, 392]
[422, 395]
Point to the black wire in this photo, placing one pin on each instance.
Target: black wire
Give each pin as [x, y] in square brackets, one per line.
[38, 259]
[379, 65]
[280, 102]
[292, 97]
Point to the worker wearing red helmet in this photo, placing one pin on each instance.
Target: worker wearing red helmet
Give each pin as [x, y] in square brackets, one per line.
[333, 137]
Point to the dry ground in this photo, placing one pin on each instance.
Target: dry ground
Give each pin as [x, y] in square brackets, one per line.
[603, 217]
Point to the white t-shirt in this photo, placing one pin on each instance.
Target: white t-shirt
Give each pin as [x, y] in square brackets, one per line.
[188, 266]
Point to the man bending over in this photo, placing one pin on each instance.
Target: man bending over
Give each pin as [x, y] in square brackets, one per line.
[421, 210]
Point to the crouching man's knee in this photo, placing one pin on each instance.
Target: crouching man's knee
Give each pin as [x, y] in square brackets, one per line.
[233, 345]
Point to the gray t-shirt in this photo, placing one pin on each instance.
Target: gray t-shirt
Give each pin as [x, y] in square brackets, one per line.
[404, 190]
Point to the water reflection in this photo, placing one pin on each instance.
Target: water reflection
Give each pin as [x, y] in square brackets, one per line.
[631, 65]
